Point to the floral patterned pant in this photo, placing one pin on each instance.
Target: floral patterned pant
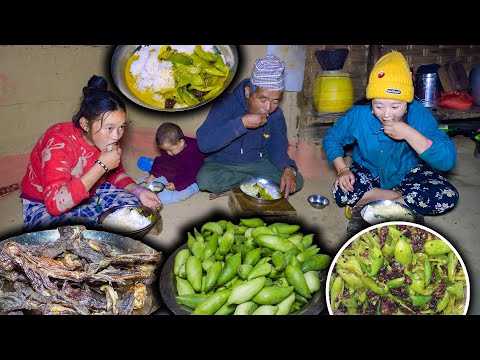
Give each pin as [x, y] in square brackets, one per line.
[423, 190]
[36, 216]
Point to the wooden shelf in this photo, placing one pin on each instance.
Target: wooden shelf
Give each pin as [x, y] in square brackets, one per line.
[313, 117]
[451, 114]
[327, 115]
[441, 114]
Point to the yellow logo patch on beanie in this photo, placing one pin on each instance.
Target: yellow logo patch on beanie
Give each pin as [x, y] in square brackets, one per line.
[390, 78]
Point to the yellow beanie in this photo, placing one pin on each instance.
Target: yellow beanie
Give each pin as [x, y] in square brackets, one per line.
[390, 78]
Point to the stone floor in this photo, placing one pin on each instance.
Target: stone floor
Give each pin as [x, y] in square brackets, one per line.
[329, 224]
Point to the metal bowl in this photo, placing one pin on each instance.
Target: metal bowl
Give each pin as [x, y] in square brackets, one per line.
[154, 186]
[168, 291]
[318, 201]
[123, 52]
[251, 180]
[139, 233]
[123, 244]
[380, 211]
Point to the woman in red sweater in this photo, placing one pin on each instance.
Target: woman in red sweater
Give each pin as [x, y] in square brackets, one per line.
[75, 170]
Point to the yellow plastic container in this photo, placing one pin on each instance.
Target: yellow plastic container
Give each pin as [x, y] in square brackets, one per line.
[332, 92]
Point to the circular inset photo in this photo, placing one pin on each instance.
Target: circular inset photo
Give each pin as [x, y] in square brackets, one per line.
[397, 268]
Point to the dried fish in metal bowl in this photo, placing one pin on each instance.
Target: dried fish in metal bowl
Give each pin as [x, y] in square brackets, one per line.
[74, 271]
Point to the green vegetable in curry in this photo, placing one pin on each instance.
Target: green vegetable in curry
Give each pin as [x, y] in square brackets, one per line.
[199, 76]
[398, 270]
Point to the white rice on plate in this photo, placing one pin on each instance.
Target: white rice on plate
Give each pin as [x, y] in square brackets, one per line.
[253, 190]
[126, 219]
[155, 74]
[379, 214]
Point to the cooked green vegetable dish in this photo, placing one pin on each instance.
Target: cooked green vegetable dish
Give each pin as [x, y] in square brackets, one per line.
[267, 192]
[397, 270]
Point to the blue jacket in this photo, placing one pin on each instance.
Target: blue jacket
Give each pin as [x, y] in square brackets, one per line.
[383, 156]
[224, 138]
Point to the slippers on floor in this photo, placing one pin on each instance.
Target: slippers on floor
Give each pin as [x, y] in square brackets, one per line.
[5, 190]
[145, 163]
[348, 212]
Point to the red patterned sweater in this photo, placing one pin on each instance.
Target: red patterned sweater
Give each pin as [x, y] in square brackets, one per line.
[58, 160]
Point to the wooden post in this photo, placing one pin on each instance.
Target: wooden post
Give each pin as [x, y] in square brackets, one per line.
[374, 53]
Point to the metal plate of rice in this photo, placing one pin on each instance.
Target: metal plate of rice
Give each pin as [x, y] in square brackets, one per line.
[160, 77]
[381, 211]
[253, 189]
[135, 224]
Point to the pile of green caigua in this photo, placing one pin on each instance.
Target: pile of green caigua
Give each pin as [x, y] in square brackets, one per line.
[396, 270]
[248, 269]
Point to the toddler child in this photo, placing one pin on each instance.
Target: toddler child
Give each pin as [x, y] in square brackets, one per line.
[176, 166]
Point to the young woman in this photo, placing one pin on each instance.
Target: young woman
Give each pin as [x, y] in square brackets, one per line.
[75, 170]
[397, 146]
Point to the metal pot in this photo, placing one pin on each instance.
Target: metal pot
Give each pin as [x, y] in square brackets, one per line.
[427, 89]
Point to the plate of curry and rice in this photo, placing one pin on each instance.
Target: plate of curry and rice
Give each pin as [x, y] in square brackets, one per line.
[261, 190]
[173, 77]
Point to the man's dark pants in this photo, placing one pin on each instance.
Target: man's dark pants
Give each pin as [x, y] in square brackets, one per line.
[217, 178]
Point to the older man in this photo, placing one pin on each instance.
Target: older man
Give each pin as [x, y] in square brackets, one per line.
[245, 134]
